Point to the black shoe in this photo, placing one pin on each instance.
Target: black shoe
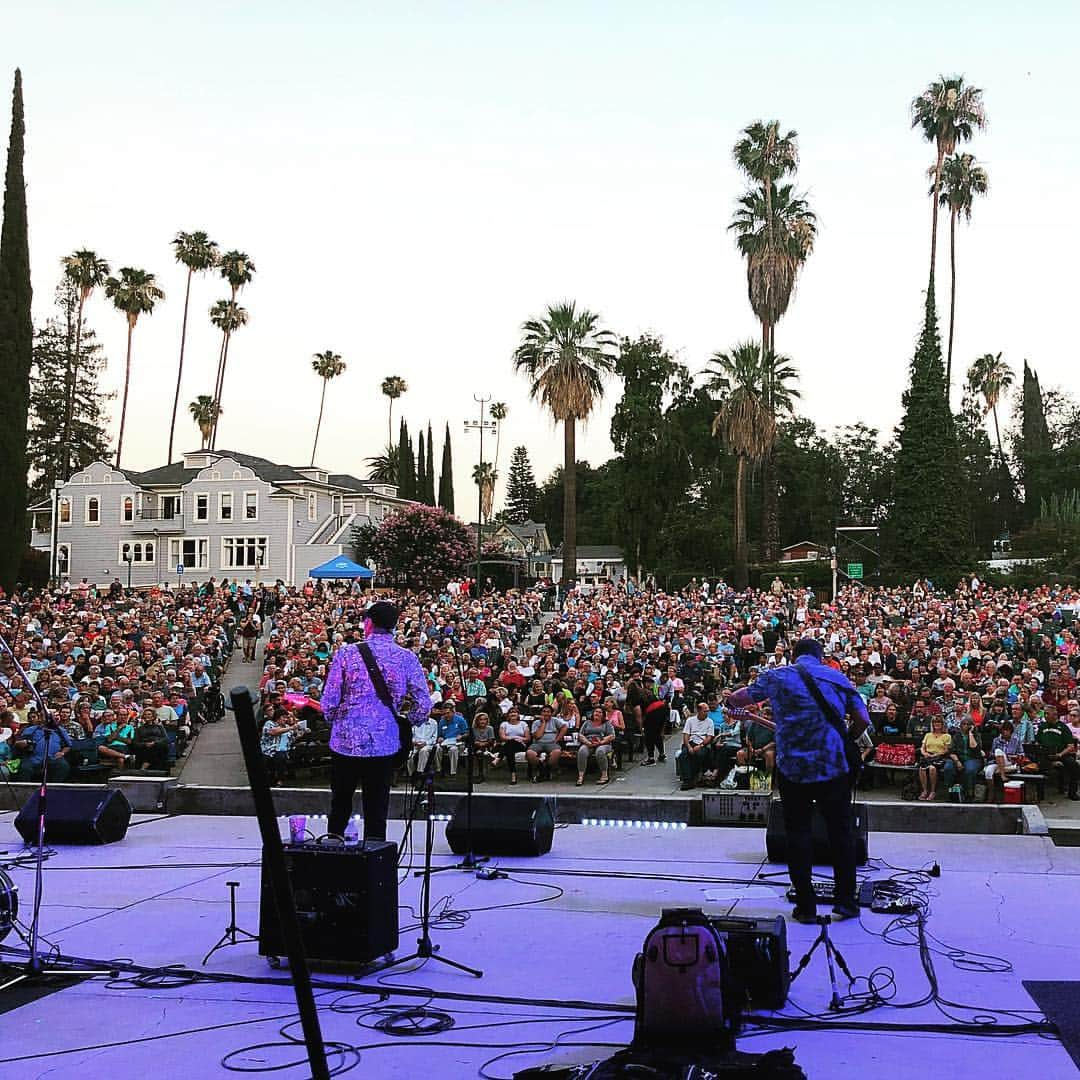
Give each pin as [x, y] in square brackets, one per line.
[648, 761]
[844, 911]
[662, 757]
[808, 918]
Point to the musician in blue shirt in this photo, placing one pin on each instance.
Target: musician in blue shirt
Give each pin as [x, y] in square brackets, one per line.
[812, 767]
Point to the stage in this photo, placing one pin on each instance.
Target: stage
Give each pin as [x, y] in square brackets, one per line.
[159, 898]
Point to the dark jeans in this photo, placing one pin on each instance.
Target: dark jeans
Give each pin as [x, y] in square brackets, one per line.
[155, 754]
[691, 766]
[510, 749]
[654, 732]
[833, 799]
[374, 775]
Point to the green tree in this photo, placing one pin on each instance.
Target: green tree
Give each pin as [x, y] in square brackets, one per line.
[421, 466]
[393, 386]
[16, 348]
[50, 401]
[406, 464]
[135, 292]
[498, 411]
[446, 477]
[198, 253]
[565, 356]
[204, 412]
[383, 468]
[520, 487]
[1035, 447]
[961, 180]
[989, 377]
[778, 395]
[747, 427]
[652, 457]
[327, 365]
[484, 477]
[928, 528]
[985, 477]
[228, 316]
[86, 272]
[237, 268]
[429, 469]
[947, 112]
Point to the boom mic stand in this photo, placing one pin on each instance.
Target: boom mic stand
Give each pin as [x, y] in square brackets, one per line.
[36, 967]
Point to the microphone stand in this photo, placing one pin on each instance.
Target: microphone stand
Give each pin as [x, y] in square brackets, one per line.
[36, 967]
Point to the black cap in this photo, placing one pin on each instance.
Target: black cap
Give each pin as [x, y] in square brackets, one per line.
[383, 614]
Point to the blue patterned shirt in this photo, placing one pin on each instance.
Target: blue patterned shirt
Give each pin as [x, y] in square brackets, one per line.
[809, 749]
[362, 725]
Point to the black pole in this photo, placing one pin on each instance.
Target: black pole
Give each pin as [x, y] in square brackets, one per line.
[279, 878]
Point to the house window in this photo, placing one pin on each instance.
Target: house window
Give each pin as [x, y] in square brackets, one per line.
[127, 508]
[65, 511]
[202, 507]
[225, 501]
[192, 554]
[93, 510]
[170, 507]
[243, 552]
[251, 506]
[137, 553]
[312, 507]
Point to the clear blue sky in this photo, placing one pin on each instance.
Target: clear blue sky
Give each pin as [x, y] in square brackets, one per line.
[415, 180]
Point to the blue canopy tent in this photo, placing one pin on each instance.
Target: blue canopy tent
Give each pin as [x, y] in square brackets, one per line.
[341, 566]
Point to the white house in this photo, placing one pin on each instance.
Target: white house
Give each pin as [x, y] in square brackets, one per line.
[601, 564]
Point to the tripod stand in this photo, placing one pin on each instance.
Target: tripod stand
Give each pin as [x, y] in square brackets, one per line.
[832, 955]
[425, 950]
[233, 935]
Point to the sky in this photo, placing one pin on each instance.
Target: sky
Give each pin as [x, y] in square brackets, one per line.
[415, 180]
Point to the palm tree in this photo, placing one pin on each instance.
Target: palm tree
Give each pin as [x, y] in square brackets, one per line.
[227, 316]
[989, 376]
[947, 112]
[134, 292]
[327, 365]
[484, 476]
[204, 411]
[498, 412]
[778, 395]
[393, 386]
[383, 468]
[237, 269]
[961, 180]
[198, 253]
[566, 356]
[745, 424]
[86, 272]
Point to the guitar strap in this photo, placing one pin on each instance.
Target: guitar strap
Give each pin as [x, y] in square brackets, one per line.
[851, 750]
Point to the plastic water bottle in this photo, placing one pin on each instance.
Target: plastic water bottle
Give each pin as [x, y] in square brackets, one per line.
[352, 833]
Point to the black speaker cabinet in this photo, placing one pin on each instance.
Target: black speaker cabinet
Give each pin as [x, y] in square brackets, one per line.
[502, 826]
[776, 835]
[346, 902]
[90, 815]
[758, 955]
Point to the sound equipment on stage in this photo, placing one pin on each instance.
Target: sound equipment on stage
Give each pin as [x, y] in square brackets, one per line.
[757, 955]
[502, 825]
[77, 816]
[346, 901]
[9, 905]
[776, 835]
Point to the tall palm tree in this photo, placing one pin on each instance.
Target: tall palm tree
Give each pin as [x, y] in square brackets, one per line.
[134, 292]
[947, 112]
[393, 386]
[498, 411]
[204, 411]
[484, 476]
[237, 269]
[990, 376]
[86, 271]
[227, 316]
[566, 355]
[383, 468]
[745, 424]
[961, 180]
[778, 395]
[327, 365]
[198, 253]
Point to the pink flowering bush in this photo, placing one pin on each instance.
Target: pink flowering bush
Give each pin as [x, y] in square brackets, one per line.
[423, 544]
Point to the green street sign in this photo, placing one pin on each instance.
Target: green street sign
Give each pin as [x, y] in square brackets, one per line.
[854, 570]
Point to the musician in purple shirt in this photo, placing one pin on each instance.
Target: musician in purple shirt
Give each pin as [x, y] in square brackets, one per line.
[364, 737]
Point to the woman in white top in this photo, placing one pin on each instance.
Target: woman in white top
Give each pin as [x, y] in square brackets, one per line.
[513, 740]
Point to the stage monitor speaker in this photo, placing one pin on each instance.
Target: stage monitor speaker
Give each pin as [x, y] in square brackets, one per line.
[757, 955]
[502, 825]
[89, 815]
[346, 902]
[776, 835]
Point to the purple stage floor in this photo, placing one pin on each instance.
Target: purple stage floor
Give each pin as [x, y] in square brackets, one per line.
[159, 897]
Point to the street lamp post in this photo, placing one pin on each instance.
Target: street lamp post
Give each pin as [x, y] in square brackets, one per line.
[127, 559]
[480, 425]
[58, 486]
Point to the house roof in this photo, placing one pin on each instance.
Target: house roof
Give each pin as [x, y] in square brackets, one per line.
[175, 473]
[802, 543]
[594, 551]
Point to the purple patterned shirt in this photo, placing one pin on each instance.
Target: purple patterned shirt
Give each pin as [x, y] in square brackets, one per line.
[362, 725]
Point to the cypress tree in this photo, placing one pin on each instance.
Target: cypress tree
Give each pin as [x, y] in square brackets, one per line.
[1036, 459]
[520, 487]
[16, 349]
[429, 469]
[446, 479]
[421, 475]
[406, 464]
[928, 529]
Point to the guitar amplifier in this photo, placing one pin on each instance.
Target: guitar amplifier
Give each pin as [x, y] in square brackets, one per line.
[346, 901]
[757, 955]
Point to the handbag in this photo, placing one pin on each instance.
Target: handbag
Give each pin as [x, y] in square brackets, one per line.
[851, 749]
[378, 681]
[895, 754]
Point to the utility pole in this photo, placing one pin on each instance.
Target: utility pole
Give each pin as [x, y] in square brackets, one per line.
[480, 425]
